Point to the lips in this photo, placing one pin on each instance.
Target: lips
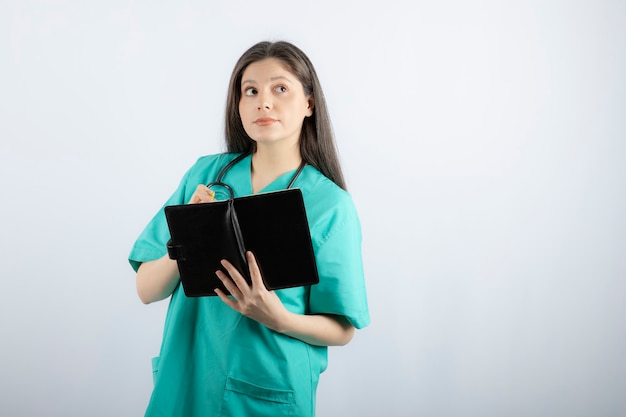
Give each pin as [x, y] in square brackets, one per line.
[265, 121]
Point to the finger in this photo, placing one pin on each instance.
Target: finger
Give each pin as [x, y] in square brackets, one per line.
[202, 195]
[226, 299]
[230, 285]
[205, 193]
[239, 280]
[255, 271]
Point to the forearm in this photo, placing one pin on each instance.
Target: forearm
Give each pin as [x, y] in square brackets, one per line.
[157, 279]
[318, 330]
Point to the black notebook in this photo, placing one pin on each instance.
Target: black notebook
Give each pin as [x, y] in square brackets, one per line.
[272, 225]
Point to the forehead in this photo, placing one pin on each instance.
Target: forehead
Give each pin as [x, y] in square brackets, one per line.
[265, 70]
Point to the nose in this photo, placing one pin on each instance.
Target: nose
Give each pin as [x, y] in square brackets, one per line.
[265, 101]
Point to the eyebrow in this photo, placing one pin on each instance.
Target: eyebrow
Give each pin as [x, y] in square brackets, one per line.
[278, 77]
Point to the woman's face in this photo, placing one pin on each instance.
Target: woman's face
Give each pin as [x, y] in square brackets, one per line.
[273, 104]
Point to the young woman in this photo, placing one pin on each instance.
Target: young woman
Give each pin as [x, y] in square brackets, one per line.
[260, 352]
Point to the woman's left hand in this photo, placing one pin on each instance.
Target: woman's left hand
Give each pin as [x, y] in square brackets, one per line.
[253, 301]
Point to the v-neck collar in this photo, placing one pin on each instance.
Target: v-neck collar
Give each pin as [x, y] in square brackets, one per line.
[240, 178]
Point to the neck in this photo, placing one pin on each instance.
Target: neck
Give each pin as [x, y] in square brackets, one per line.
[269, 163]
[266, 160]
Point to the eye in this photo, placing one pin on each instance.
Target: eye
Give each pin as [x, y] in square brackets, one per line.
[250, 91]
[280, 89]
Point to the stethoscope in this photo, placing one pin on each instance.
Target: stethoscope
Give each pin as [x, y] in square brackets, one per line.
[219, 183]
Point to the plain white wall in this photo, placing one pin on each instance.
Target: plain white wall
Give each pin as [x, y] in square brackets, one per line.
[483, 142]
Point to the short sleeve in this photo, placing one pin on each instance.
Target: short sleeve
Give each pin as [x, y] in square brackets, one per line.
[151, 243]
[341, 289]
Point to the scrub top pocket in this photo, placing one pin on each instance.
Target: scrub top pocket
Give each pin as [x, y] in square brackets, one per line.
[242, 398]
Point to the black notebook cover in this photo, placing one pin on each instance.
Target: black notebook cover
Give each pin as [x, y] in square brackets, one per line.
[273, 226]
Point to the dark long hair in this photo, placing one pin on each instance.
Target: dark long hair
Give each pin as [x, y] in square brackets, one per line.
[317, 143]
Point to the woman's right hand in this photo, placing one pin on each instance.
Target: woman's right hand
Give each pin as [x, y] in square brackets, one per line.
[157, 279]
[202, 195]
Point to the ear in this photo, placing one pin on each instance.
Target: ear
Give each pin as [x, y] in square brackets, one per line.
[310, 107]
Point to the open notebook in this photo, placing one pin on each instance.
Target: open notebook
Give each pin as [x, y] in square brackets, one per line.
[272, 225]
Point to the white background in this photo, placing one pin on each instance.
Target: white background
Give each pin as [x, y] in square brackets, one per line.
[484, 144]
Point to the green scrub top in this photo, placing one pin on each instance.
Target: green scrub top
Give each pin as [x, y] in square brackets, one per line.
[215, 361]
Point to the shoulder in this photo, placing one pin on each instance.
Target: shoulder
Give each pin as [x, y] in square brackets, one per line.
[207, 166]
[321, 191]
[218, 160]
[329, 207]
